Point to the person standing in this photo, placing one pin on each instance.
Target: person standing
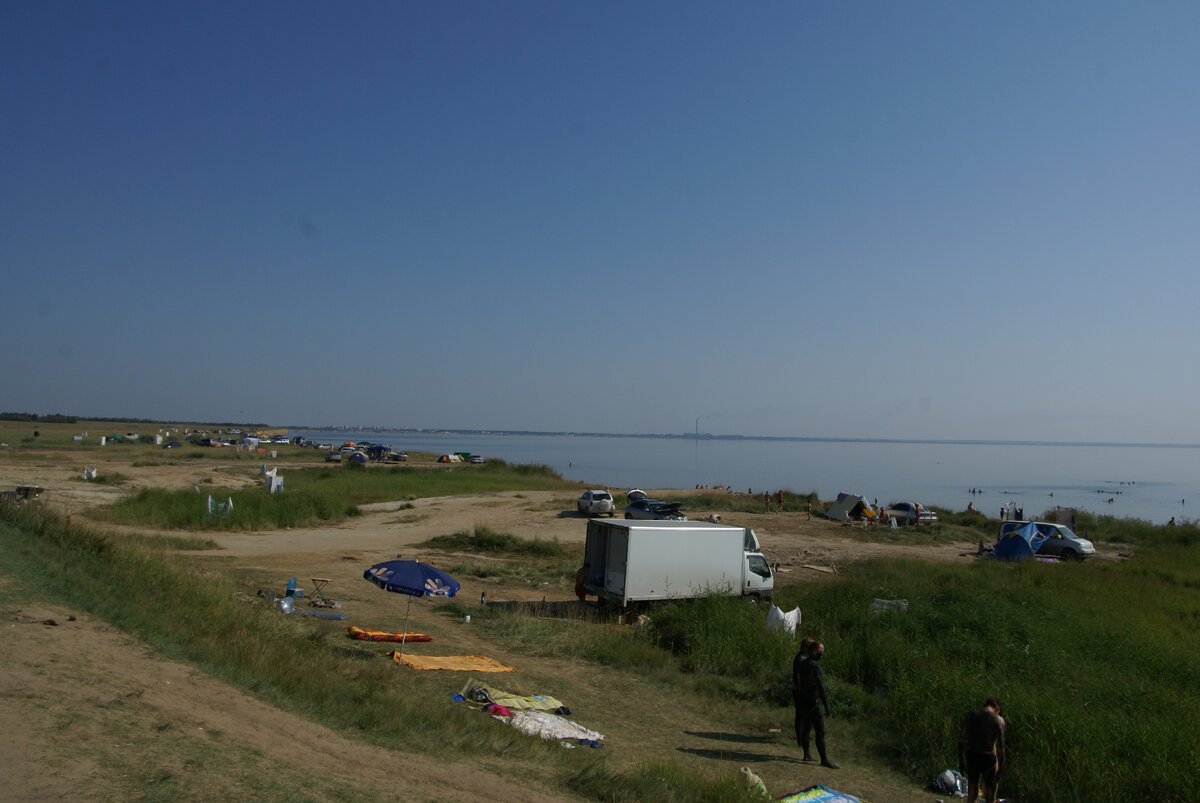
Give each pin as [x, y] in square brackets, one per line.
[580, 577]
[779, 501]
[981, 750]
[808, 694]
[766, 501]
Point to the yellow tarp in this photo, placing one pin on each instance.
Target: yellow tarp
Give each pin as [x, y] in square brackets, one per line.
[462, 663]
[513, 702]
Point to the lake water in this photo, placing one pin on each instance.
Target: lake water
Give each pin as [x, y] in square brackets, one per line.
[1146, 482]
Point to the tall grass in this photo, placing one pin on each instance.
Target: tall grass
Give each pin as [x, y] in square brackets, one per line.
[322, 495]
[1134, 532]
[302, 665]
[1096, 664]
[253, 509]
[484, 539]
[725, 502]
[363, 484]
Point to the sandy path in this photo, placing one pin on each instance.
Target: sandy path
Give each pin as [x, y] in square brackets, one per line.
[85, 685]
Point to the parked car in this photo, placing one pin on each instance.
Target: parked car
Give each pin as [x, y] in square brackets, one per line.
[1061, 541]
[911, 513]
[654, 509]
[333, 457]
[172, 445]
[595, 503]
[475, 458]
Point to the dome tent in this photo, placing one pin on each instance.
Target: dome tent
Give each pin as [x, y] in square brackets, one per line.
[1018, 544]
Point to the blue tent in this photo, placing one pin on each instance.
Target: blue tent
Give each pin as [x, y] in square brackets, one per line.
[1018, 544]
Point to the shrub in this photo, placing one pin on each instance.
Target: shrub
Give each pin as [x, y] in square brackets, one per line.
[486, 540]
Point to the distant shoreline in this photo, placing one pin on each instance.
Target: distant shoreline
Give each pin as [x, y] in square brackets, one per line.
[708, 437]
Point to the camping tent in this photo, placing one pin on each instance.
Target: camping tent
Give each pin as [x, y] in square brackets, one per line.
[1018, 544]
[853, 505]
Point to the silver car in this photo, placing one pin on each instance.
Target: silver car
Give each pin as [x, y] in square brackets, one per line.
[596, 503]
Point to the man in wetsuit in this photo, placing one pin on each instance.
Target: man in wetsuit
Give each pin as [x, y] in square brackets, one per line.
[981, 750]
[809, 696]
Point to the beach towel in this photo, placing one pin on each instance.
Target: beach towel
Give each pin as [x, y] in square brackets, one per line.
[513, 702]
[462, 663]
[819, 794]
[379, 635]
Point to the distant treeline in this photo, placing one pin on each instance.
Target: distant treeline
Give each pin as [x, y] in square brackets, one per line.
[59, 418]
[56, 418]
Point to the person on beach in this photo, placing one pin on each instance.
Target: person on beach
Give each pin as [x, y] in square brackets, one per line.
[808, 695]
[580, 576]
[810, 509]
[779, 501]
[766, 501]
[981, 750]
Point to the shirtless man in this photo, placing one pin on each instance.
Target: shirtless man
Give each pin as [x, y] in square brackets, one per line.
[981, 750]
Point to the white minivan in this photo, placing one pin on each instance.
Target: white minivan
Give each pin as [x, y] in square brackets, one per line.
[1061, 541]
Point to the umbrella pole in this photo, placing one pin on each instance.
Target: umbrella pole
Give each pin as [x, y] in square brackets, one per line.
[404, 638]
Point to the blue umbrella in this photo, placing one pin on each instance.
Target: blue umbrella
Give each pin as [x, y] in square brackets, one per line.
[413, 578]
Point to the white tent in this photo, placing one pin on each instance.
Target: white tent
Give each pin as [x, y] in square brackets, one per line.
[850, 506]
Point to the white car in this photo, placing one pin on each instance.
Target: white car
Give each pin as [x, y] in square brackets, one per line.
[596, 503]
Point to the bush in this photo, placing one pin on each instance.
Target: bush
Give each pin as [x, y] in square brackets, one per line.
[486, 540]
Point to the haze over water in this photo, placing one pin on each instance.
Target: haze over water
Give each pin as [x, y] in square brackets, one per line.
[1151, 482]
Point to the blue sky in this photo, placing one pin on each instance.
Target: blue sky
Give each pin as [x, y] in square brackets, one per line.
[875, 219]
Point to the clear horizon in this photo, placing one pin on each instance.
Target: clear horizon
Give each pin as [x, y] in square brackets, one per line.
[925, 221]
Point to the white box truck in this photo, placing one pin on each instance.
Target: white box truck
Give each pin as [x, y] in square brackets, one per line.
[641, 561]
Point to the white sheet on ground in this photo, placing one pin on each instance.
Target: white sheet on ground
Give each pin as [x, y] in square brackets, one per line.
[549, 726]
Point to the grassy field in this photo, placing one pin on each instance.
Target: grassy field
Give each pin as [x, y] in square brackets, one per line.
[322, 495]
[1098, 663]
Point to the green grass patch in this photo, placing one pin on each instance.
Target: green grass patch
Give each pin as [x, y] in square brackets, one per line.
[252, 509]
[486, 540]
[726, 502]
[320, 496]
[303, 665]
[1078, 653]
[1095, 661]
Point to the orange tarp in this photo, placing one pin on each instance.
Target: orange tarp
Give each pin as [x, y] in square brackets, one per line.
[380, 635]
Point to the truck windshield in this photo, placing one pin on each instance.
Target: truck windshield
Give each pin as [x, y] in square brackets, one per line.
[758, 565]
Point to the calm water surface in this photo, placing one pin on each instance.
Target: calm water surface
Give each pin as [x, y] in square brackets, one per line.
[1147, 482]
